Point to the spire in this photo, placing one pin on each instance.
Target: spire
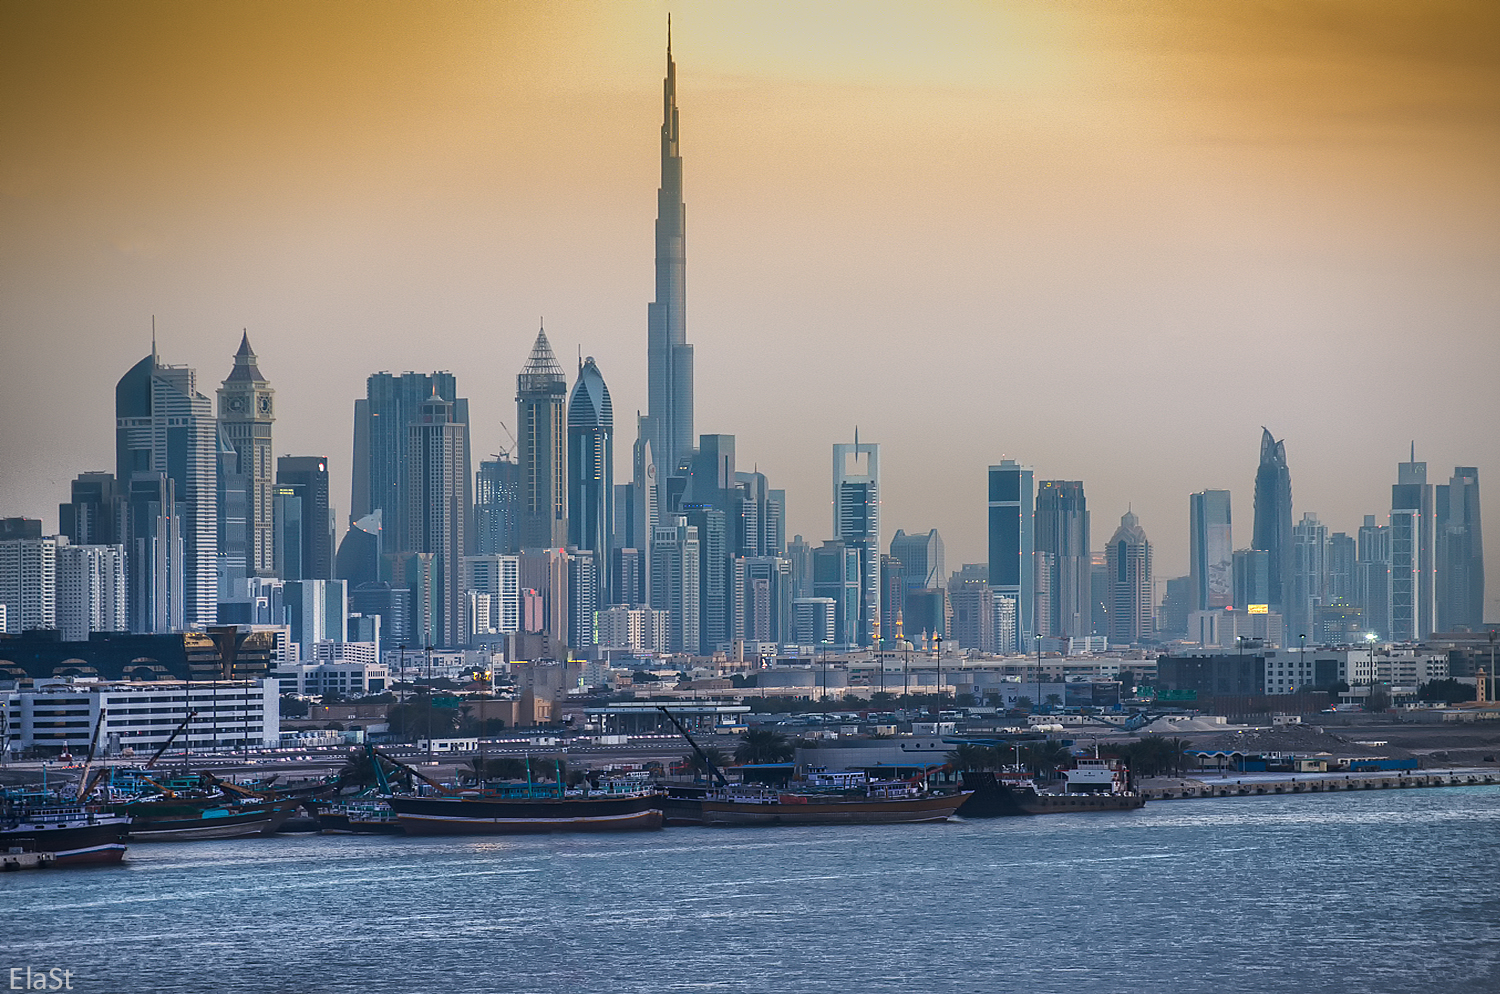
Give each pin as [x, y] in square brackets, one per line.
[153, 341]
[245, 369]
[542, 370]
[669, 36]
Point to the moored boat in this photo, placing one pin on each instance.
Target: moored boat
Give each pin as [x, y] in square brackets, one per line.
[874, 804]
[75, 834]
[527, 809]
[358, 817]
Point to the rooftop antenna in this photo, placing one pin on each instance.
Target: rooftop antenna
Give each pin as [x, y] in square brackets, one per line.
[153, 339]
[669, 34]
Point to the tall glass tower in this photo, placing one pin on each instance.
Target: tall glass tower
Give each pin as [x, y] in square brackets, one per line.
[1012, 541]
[1273, 517]
[1211, 550]
[669, 357]
[541, 389]
[856, 523]
[591, 469]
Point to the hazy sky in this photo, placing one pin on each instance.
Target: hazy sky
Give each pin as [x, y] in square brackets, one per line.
[1109, 239]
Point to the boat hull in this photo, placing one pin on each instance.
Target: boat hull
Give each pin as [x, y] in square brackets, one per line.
[898, 811]
[195, 829]
[474, 816]
[75, 844]
[993, 798]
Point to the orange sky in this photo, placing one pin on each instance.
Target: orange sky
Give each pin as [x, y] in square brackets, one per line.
[1110, 239]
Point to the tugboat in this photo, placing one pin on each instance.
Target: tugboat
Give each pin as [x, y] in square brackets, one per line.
[1092, 785]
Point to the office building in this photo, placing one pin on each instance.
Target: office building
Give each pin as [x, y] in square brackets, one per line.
[922, 565]
[541, 389]
[382, 436]
[639, 631]
[591, 473]
[246, 417]
[234, 520]
[90, 591]
[1460, 553]
[1131, 619]
[362, 551]
[91, 516]
[309, 474]
[318, 611]
[436, 514]
[1210, 550]
[1252, 578]
[674, 583]
[836, 576]
[1413, 496]
[1012, 541]
[1062, 534]
[497, 497]
[856, 523]
[151, 526]
[28, 580]
[668, 423]
[498, 580]
[1373, 575]
[814, 621]
[287, 532]
[1310, 549]
[583, 601]
[765, 597]
[1342, 569]
[1273, 517]
[163, 425]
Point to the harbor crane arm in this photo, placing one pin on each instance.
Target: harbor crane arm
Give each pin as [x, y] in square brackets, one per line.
[88, 762]
[441, 788]
[172, 738]
[702, 756]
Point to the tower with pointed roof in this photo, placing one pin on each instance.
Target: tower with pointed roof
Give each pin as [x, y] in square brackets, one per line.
[591, 469]
[246, 414]
[669, 358]
[1131, 610]
[541, 391]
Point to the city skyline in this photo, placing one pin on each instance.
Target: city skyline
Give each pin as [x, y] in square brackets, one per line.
[741, 358]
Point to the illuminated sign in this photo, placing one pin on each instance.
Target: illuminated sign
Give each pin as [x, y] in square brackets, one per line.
[1258, 609]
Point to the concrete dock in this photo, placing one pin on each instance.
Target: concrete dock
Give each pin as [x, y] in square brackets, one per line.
[17, 860]
[1260, 784]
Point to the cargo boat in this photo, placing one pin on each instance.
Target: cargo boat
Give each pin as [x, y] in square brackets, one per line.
[527, 808]
[74, 834]
[874, 803]
[1094, 785]
[363, 817]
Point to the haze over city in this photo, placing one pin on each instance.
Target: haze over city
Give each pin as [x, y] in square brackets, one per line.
[1110, 243]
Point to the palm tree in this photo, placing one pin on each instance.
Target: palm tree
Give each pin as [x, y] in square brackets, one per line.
[1024, 704]
[500, 768]
[1053, 701]
[1179, 749]
[1045, 756]
[761, 745]
[700, 764]
[967, 756]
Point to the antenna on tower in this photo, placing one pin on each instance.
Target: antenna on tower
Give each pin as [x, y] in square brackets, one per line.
[153, 339]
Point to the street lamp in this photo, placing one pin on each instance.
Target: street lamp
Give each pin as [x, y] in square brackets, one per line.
[1302, 656]
[1038, 702]
[1370, 638]
[937, 650]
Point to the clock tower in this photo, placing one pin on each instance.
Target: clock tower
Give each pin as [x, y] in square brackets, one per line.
[246, 412]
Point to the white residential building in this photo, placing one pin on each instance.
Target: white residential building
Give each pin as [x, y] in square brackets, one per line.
[91, 591]
[28, 583]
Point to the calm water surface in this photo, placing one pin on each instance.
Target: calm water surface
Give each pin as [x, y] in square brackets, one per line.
[1389, 891]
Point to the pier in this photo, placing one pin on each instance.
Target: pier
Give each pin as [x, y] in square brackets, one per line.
[15, 859]
[1258, 785]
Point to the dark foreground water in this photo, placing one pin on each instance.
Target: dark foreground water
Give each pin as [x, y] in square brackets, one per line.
[1393, 891]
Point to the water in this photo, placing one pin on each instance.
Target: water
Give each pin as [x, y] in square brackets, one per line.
[1382, 891]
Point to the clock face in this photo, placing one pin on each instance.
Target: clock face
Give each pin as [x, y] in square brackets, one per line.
[265, 404]
[236, 404]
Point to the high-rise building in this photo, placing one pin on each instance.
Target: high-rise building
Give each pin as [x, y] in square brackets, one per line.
[90, 590]
[318, 611]
[674, 582]
[715, 619]
[1210, 550]
[765, 598]
[164, 425]
[1252, 579]
[497, 502]
[1273, 517]
[1309, 576]
[360, 554]
[668, 423]
[541, 389]
[836, 575]
[1460, 553]
[973, 601]
[287, 532]
[1342, 569]
[1406, 562]
[91, 516]
[1373, 575]
[1062, 533]
[1131, 617]
[799, 554]
[591, 472]
[246, 415]
[382, 443]
[497, 578]
[814, 620]
[856, 523]
[310, 475]
[922, 563]
[583, 601]
[28, 581]
[1012, 542]
[436, 514]
[1413, 493]
[151, 526]
[234, 520]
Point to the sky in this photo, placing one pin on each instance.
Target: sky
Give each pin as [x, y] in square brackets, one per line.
[1108, 239]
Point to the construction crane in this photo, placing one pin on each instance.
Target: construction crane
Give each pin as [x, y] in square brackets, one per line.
[172, 738]
[702, 756]
[441, 788]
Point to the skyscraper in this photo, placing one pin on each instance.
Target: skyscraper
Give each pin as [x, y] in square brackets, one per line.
[674, 582]
[1131, 617]
[28, 581]
[1273, 517]
[164, 425]
[1460, 553]
[856, 523]
[1406, 561]
[246, 415]
[497, 497]
[1413, 493]
[90, 517]
[1373, 575]
[1012, 544]
[1309, 578]
[310, 475]
[591, 472]
[1211, 550]
[541, 389]
[1062, 532]
[234, 520]
[922, 564]
[382, 444]
[436, 515]
[669, 358]
[90, 590]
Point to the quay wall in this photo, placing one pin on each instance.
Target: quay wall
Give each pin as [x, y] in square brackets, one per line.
[1192, 789]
